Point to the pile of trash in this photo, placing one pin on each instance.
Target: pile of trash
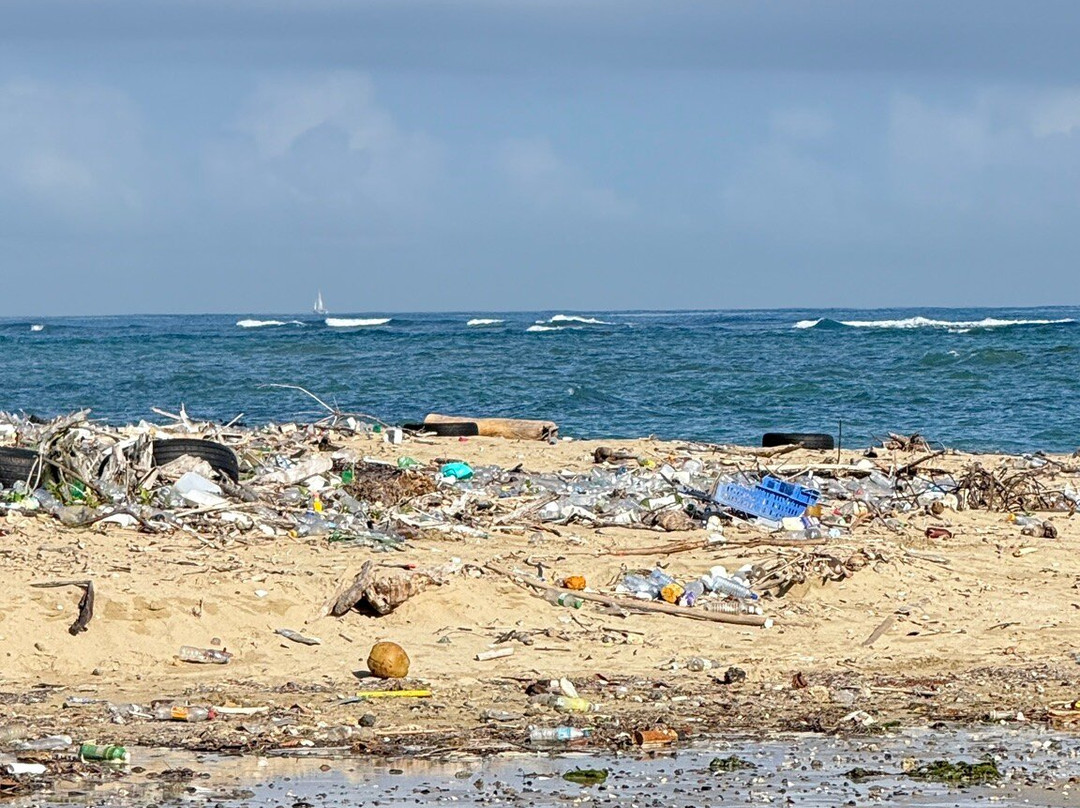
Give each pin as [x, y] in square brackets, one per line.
[305, 480]
[715, 591]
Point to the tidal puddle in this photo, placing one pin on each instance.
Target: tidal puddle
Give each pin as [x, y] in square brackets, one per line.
[1037, 768]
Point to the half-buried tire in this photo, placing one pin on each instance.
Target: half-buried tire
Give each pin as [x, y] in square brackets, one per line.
[25, 465]
[808, 440]
[221, 458]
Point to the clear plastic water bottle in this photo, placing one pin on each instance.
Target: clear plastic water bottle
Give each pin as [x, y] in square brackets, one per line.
[640, 587]
[50, 743]
[212, 656]
[557, 734]
[701, 664]
[692, 593]
[733, 588]
[178, 712]
[568, 599]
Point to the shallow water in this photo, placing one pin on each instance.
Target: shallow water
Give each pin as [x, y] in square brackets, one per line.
[804, 770]
[979, 379]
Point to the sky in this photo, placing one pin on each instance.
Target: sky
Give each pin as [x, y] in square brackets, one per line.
[186, 156]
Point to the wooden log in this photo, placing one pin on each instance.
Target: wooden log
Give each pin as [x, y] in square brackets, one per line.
[514, 428]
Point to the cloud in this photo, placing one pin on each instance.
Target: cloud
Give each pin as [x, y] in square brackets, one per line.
[549, 184]
[788, 185]
[1005, 156]
[321, 142]
[72, 153]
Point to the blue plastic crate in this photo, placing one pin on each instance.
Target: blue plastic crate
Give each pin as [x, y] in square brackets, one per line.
[771, 498]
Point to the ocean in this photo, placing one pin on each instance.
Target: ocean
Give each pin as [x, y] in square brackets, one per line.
[975, 379]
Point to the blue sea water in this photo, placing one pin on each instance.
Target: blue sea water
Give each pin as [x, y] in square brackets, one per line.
[978, 379]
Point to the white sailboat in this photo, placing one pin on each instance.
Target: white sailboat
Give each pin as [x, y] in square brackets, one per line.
[319, 308]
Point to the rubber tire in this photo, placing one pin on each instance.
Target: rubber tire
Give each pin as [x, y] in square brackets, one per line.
[21, 464]
[221, 458]
[809, 440]
[454, 429]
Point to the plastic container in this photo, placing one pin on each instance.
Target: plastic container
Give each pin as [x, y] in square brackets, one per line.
[183, 713]
[729, 586]
[50, 743]
[108, 754]
[771, 498]
[557, 734]
[565, 704]
[206, 656]
[701, 664]
[567, 599]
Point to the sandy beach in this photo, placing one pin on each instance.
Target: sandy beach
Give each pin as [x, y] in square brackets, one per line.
[911, 630]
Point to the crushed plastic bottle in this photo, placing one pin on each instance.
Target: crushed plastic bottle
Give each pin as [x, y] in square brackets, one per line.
[50, 743]
[567, 599]
[701, 664]
[211, 656]
[178, 712]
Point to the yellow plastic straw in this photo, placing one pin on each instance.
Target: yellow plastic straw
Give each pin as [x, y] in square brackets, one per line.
[389, 694]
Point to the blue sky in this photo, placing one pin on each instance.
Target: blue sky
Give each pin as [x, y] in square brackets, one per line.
[475, 155]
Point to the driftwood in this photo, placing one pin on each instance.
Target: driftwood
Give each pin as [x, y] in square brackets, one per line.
[514, 428]
[542, 588]
[86, 604]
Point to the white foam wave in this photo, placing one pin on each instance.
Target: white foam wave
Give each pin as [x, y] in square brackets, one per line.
[37, 327]
[539, 327]
[573, 318]
[347, 322]
[258, 323]
[955, 326]
[481, 321]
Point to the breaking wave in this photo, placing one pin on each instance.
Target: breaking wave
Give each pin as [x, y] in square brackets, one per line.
[573, 318]
[541, 327]
[482, 321]
[264, 323]
[926, 322]
[37, 327]
[346, 322]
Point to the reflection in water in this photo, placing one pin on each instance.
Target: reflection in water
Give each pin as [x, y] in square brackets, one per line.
[807, 770]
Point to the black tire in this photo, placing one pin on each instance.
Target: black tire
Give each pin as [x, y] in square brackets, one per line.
[454, 429]
[809, 440]
[221, 458]
[25, 465]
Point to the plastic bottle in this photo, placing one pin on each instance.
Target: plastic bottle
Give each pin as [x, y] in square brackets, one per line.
[178, 712]
[565, 704]
[556, 734]
[12, 732]
[701, 664]
[567, 599]
[1024, 521]
[49, 743]
[692, 593]
[731, 607]
[729, 586]
[111, 753]
[204, 655]
[47, 501]
[640, 587]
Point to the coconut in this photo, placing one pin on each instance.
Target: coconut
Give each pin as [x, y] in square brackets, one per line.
[388, 660]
